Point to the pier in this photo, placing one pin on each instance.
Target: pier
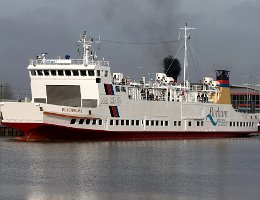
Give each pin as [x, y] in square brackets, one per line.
[7, 131]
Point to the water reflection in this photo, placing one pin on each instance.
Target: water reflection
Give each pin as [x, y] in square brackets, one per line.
[185, 169]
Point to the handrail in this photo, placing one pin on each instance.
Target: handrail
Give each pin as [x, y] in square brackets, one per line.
[67, 62]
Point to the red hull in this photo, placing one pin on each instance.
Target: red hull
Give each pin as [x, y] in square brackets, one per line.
[47, 132]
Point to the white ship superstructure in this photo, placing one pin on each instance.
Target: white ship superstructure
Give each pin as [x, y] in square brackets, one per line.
[80, 99]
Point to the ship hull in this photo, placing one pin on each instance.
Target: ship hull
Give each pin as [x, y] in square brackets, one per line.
[48, 132]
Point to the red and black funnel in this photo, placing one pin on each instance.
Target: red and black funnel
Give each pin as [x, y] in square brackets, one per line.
[222, 76]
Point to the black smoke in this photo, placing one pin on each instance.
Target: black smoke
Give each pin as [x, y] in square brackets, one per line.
[148, 21]
[172, 67]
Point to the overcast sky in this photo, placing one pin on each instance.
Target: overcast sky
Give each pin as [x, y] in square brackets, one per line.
[227, 34]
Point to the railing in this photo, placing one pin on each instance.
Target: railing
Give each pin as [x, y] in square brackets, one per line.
[196, 87]
[67, 62]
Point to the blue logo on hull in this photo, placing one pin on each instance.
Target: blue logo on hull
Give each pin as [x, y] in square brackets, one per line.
[212, 120]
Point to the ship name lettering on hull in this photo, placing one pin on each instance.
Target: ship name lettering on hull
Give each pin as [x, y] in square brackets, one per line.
[217, 112]
[75, 110]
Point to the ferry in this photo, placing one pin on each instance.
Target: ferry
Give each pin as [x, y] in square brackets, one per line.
[82, 100]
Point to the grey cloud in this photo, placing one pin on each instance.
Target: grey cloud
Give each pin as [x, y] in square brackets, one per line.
[228, 39]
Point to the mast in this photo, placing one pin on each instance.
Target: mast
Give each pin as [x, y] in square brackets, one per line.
[185, 63]
[86, 43]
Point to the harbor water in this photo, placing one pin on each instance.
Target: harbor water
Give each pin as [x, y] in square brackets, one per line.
[214, 169]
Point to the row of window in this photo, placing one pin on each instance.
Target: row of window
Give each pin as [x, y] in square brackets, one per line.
[156, 123]
[98, 73]
[87, 121]
[122, 89]
[199, 123]
[123, 122]
[245, 97]
[241, 124]
[112, 122]
[233, 124]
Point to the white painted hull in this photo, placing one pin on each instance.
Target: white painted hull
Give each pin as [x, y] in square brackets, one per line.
[156, 120]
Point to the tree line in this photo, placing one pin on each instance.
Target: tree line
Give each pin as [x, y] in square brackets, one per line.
[6, 91]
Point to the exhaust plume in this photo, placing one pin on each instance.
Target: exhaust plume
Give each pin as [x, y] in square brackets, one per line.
[172, 67]
[148, 21]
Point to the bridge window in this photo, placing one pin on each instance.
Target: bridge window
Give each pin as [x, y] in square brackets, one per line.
[67, 72]
[98, 72]
[127, 122]
[198, 123]
[106, 73]
[46, 72]
[53, 72]
[39, 72]
[157, 123]
[75, 72]
[81, 121]
[166, 123]
[117, 122]
[88, 121]
[91, 73]
[94, 122]
[111, 122]
[83, 73]
[60, 72]
[33, 72]
[100, 122]
[189, 123]
[201, 123]
[179, 123]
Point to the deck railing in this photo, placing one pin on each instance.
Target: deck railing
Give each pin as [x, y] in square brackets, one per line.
[67, 62]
